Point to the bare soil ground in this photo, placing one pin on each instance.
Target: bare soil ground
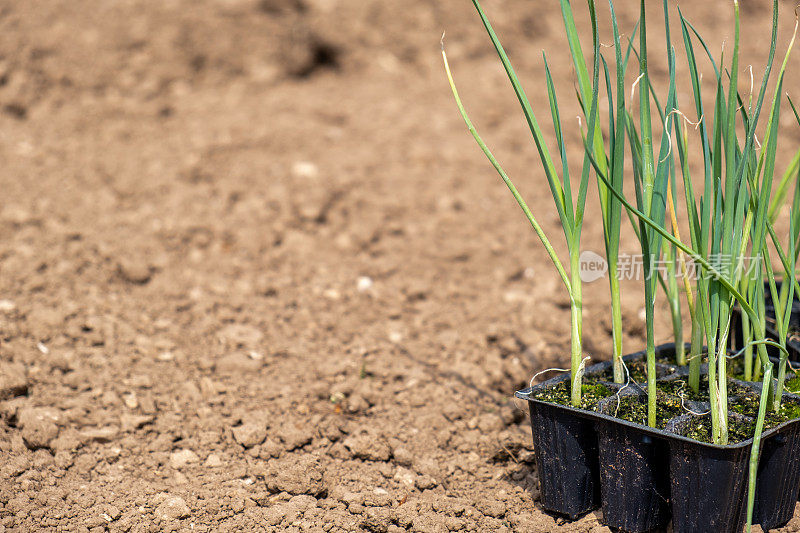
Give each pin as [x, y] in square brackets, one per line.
[255, 276]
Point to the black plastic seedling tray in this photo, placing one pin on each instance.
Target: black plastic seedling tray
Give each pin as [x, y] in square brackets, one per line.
[645, 477]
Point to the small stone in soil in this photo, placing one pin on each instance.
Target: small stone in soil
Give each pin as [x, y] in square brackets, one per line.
[213, 461]
[132, 422]
[402, 456]
[305, 169]
[113, 512]
[303, 501]
[295, 475]
[13, 380]
[405, 476]
[134, 270]
[378, 498]
[294, 437]
[368, 447]
[173, 508]
[425, 482]
[104, 434]
[38, 427]
[67, 441]
[249, 434]
[181, 458]
[376, 519]
[364, 283]
[130, 401]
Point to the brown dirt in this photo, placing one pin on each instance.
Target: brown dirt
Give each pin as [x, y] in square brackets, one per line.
[256, 276]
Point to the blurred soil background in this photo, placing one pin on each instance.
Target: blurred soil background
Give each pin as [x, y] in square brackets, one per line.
[256, 276]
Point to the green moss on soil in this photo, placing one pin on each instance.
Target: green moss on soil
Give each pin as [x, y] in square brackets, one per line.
[748, 405]
[634, 409]
[735, 367]
[699, 429]
[680, 387]
[793, 385]
[591, 394]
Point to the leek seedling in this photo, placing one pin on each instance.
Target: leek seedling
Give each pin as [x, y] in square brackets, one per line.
[727, 210]
[668, 276]
[780, 194]
[570, 210]
[697, 327]
[756, 291]
[672, 258]
[782, 303]
[611, 163]
[732, 210]
[651, 178]
[720, 225]
[782, 300]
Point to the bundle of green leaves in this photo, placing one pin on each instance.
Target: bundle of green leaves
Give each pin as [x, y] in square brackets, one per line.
[730, 213]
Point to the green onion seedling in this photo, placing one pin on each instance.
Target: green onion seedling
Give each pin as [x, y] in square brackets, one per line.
[611, 161]
[733, 209]
[651, 178]
[570, 210]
